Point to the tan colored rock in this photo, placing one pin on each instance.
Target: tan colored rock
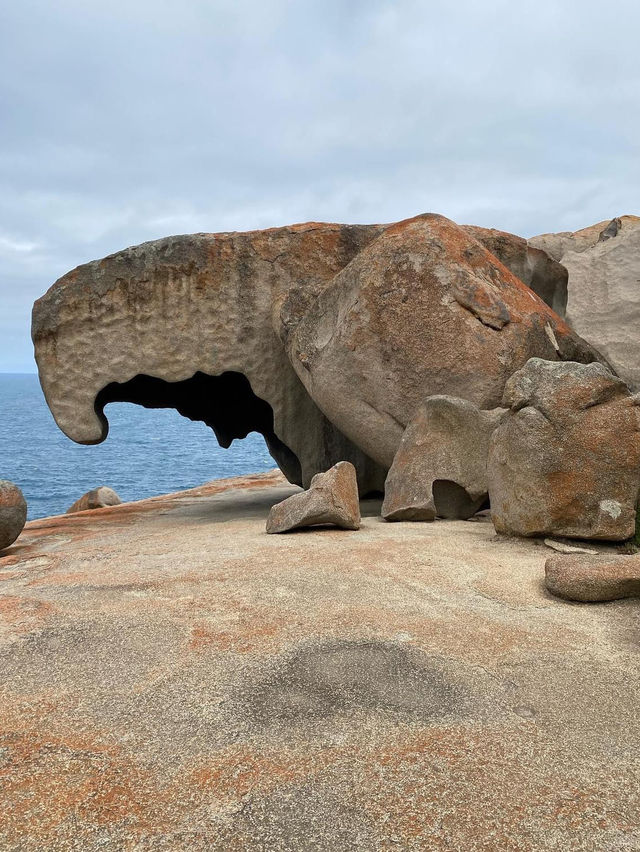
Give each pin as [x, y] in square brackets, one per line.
[532, 265]
[187, 322]
[13, 513]
[424, 309]
[603, 262]
[98, 498]
[565, 460]
[332, 499]
[595, 578]
[440, 468]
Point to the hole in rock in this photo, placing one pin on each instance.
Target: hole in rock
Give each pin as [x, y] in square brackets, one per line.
[226, 403]
[452, 501]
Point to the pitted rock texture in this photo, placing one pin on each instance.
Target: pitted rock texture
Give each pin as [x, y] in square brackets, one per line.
[565, 460]
[603, 262]
[593, 578]
[424, 309]
[441, 464]
[13, 513]
[531, 264]
[331, 500]
[186, 322]
[97, 498]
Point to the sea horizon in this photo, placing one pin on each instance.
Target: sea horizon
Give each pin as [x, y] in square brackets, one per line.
[148, 452]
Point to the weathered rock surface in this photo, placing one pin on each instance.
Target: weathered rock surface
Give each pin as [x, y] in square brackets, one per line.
[603, 262]
[165, 687]
[565, 460]
[423, 309]
[97, 498]
[441, 464]
[593, 578]
[13, 512]
[531, 264]
[187, 322]
[331, 500]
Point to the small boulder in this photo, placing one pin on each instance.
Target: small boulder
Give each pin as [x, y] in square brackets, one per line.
[332, 500]
[440, 468]
[565, 460]
[98, 498]
[595, 578]
[13, 512]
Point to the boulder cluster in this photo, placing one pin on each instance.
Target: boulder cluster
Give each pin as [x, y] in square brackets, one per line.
[452, 367]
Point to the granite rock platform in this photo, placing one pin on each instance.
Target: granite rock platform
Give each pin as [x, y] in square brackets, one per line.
[173, 678]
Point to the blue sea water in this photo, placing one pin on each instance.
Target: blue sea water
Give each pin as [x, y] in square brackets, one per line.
[147, 451]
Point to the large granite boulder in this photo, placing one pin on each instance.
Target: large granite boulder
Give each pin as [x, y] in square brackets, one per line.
[593, 578]
[441, 464]
[97, 498]
[187, 322]
[531, 264]
[331, 500]
[565, 460]
[603, 262]
[13, 513]
[424, 309]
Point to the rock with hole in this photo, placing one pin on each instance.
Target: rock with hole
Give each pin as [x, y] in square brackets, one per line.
[440, 468]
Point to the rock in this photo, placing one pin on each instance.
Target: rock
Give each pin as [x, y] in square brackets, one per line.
[603, 305]
[561, 547]
[565, 460]
[424, 309]
[98, 498]
[187, 322]
[332, 499]
[599, 578]
[441, 464]
[531, 264]
[13, 513]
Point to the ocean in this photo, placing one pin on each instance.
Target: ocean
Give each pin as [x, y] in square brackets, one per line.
[147, 451]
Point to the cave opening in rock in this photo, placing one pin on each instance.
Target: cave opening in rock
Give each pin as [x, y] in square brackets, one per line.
[226, 403]
[453, 501]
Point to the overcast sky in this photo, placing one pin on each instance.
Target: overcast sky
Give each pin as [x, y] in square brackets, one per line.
[127, 120]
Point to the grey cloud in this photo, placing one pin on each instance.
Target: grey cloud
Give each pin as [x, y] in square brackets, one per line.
[125, 121]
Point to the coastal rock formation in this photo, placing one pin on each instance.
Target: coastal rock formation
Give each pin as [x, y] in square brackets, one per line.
[565, 460]
[423, 309]
[332, 499]
[186, 322]
[603, 262]
[98, 498]
[13, 513]
[441, 464]
[593, 578]
[531, 264]
[323, 338]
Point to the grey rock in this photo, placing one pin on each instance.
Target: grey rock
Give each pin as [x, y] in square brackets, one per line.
[332, 499]
[13, 513]
[565, 460]
[97, 498]
[440, 468]
[596, 578]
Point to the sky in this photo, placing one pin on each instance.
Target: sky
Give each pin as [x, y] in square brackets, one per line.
[129, 120]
